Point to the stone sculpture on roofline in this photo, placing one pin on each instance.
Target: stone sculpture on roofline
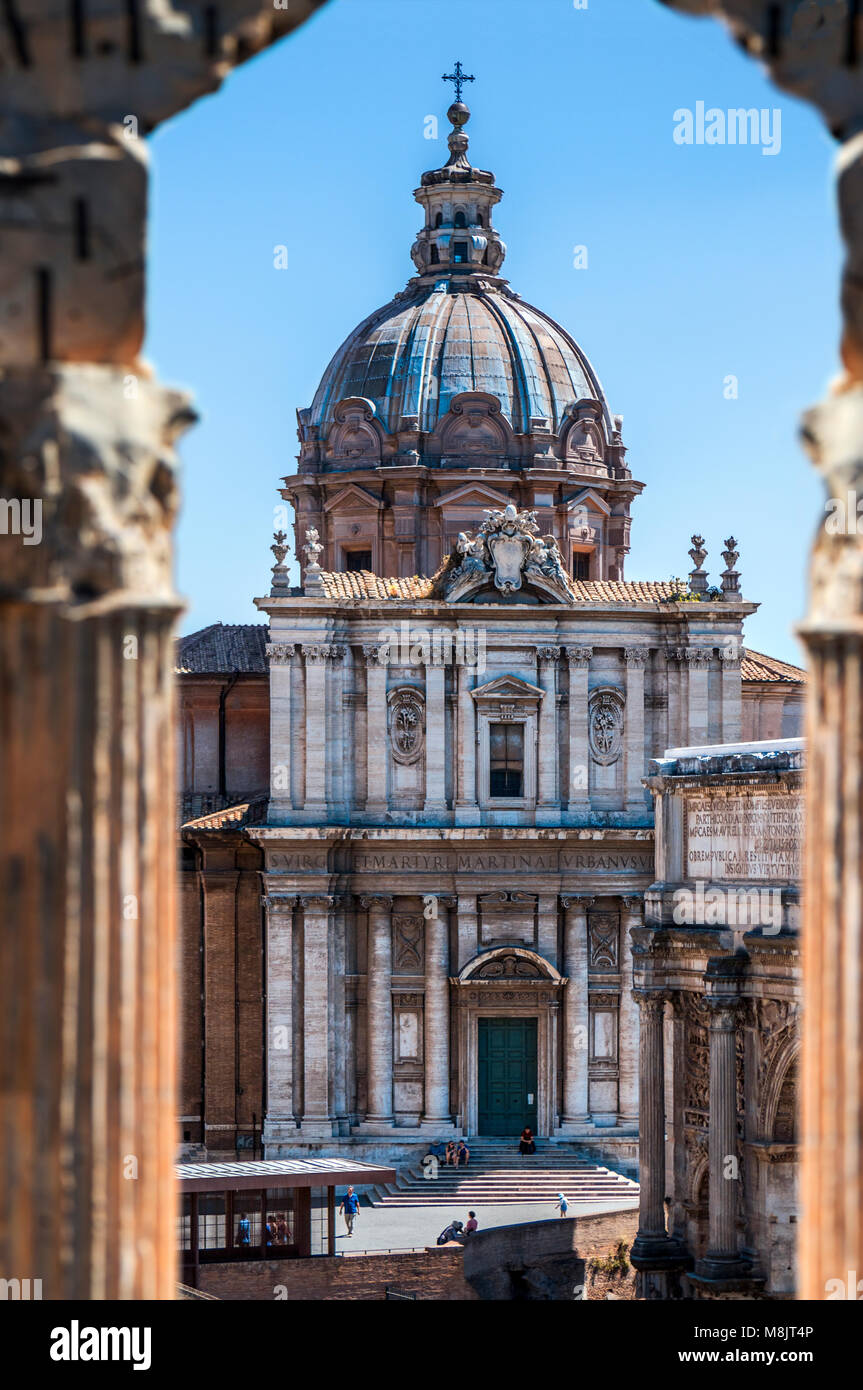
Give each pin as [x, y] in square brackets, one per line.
[508, 552]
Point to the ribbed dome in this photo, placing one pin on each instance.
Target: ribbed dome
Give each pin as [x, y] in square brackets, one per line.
[414, 355]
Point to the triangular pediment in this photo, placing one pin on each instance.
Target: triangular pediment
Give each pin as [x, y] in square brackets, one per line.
[507, 688]
[352, 496]
[473, 495]
[587, 497]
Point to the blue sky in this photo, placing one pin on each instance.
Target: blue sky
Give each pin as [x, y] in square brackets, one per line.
[703, 262]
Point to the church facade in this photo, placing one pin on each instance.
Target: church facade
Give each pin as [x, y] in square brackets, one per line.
[416, 831]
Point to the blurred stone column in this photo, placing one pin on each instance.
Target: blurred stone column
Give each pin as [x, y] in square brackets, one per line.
[636, 659]
[379, 1015]
[578, 789]
[576, 1015]
[548, 801]
[436, 1017]
[627, 1089]
[377, 752]
[87, 608]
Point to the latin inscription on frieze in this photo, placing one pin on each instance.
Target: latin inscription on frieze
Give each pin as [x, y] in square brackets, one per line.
[744, 837]
[503, 862]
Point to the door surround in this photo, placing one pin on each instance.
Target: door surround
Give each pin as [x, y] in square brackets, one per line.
[508, 982]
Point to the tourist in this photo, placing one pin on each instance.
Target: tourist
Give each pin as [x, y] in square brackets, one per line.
[562, 1204]
[526, 1143]
[350, 1206]
[244, 1231]
[451, 1232]
[462, 1154]
[450, 1151]
[283, 1234]
[472, 1224]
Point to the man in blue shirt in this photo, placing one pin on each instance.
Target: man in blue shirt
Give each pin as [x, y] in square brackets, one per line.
[350, 1206]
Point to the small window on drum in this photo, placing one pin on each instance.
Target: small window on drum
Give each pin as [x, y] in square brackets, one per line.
[434, 258]
[460, 219]
[439, 220]
[358, 560]
[506, 759]
[459, 253]
[580, 565]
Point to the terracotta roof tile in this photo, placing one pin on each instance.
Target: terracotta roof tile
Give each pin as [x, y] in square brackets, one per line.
[363, 584]
[755, 666]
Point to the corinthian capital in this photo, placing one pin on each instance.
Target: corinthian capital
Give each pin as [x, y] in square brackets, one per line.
[548, 653]
[280, 653]
[376, 902]
[316, 654]
[579, 657]
[375, 655]
[698, 656]
[635, 656]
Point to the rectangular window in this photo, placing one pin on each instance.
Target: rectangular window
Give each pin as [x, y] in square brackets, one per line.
[506, 759]
[358, 560]
[459, 253]
[580, 565]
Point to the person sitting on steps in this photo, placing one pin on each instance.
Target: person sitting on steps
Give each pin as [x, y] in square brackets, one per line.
[526, 1144]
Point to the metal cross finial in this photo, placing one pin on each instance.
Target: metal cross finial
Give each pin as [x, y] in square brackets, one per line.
[459, 78]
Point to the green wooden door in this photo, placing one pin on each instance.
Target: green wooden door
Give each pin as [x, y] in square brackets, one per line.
[507, 1075]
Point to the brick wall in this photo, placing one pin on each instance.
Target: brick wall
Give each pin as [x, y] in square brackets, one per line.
[431, 1275]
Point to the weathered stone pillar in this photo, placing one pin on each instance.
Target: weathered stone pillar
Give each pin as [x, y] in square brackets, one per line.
[376, 730]
[435, 798]
[336, 676]
[652, 1238]
[467, 929]
[280, 1119]
[627, 1087]
[722, 1260]
[379, 1012]
[466, 809]
[575, 1041]
[316, 656]
[548, 801]
[338, 1014]
[578, 788]
[437, 1112]
[281, 655]
[698, 661]
[636, 658]
[317, 1116]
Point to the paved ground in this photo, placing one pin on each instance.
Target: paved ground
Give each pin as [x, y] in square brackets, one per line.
[391, 1228]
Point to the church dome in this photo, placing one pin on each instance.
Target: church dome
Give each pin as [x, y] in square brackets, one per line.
[413, 356]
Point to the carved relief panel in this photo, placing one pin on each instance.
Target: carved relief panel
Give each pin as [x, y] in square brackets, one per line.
[408, 943]
[604, 928]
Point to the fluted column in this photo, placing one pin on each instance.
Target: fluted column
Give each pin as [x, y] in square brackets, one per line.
[379, 1011]
[698, 660]
[317, 982]
[578, 784]
[575, 1044]
[280, 1015]
[722, 1259]
[651, 1140]
[436, 1015]
[281, 658]
[316, 656]
[466, 809]
[627, 1100]
[732, 694]
[636, 659]
[376, 730]
[435, 798]
[548, 801]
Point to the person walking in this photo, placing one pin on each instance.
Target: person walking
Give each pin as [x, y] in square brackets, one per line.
[350, 1206]
[562, 1204]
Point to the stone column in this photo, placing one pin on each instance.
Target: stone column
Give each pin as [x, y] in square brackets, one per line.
[317, 981]
[627, 1091]
[722, 1259]
[698, 661]
[636, 659]
[576, 1041]
[437, 1113]
[379, 1012]
[578, 788]
[377, 758]
[467, 929]
[732, 694]
[280, 1119]
[435, 798]
[652, 1236]
[466, 809]
[316, 656]
[339, 1014]
[548, 801]
[336, 673]
[281, 655]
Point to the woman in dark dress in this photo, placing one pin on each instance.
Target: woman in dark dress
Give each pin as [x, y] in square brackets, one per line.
[526, 1144]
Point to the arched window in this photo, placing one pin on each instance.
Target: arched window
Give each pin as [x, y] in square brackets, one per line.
[439, 220]
[460, 219]
[485, 256]
[434, 259]
[479, 220]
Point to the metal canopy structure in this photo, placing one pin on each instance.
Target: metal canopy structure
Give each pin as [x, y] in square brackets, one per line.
[278, 1173]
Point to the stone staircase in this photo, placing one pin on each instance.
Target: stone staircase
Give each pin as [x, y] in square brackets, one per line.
[498, 1175]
